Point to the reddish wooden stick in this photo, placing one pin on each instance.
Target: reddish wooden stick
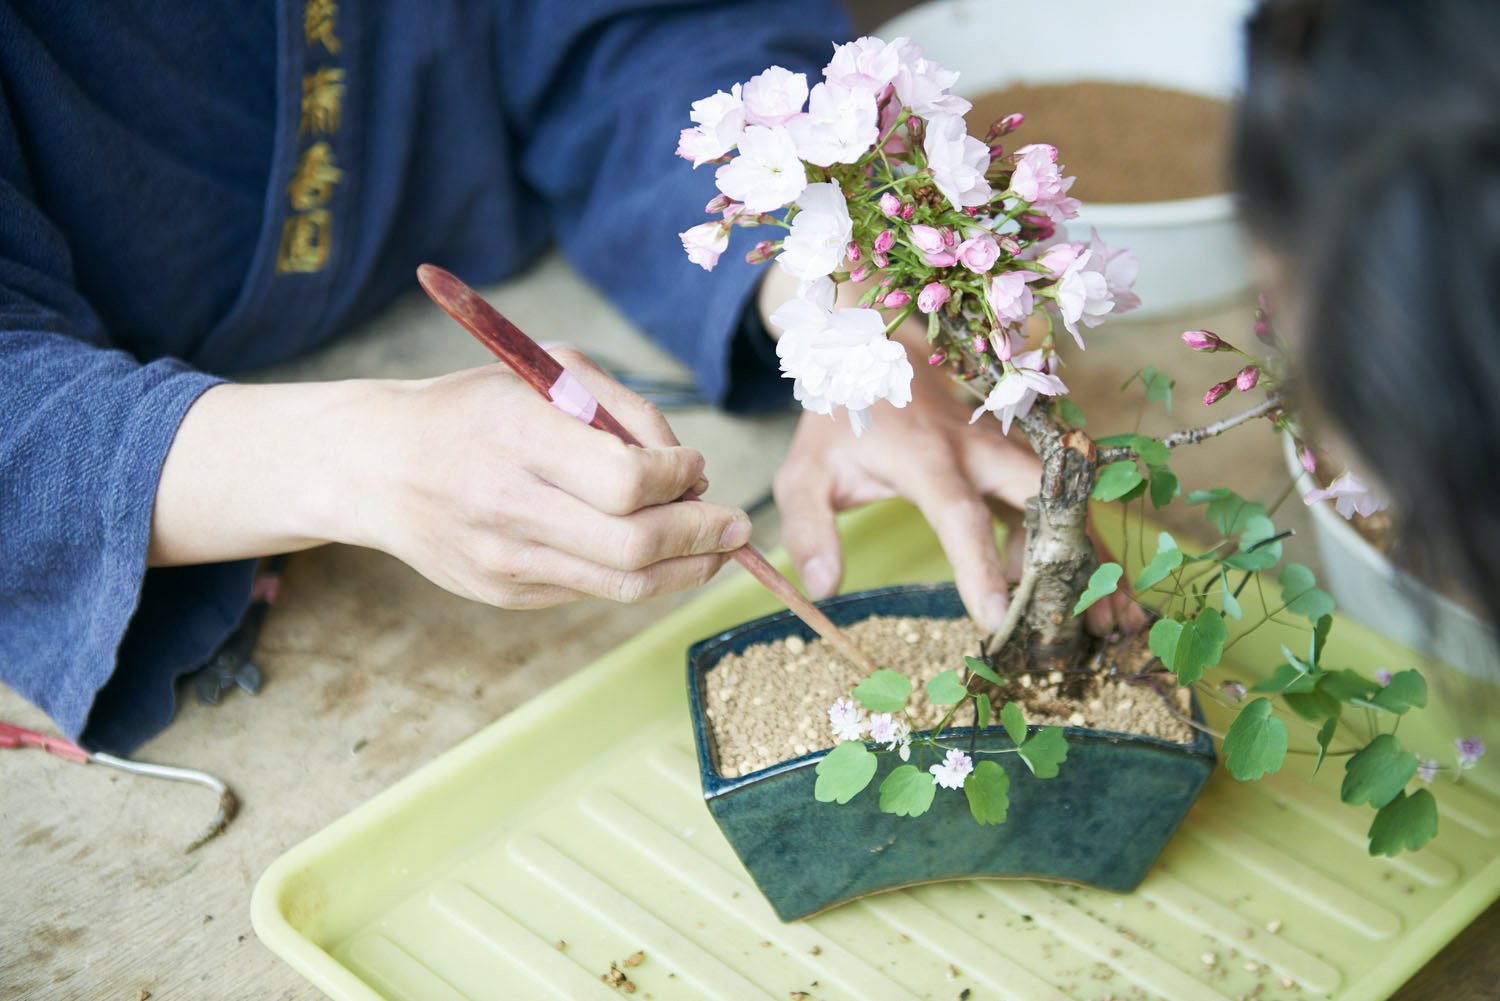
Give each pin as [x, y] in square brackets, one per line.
[547, 376]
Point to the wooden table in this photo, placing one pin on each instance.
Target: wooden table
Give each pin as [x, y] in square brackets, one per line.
[371, 671]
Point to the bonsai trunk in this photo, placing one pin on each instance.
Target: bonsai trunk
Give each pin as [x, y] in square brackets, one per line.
[1059, 555]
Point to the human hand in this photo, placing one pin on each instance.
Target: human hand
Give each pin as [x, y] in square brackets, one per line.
[491, 492]
[928, 453]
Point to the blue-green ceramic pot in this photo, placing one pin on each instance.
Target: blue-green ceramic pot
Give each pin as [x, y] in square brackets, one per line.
[1101, 822]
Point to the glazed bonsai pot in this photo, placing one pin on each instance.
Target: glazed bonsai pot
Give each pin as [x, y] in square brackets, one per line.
[1101, 822]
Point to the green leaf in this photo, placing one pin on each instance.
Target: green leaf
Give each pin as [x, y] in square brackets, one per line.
[946, 689]
[1256, 742]
[1286, 678]
[1158, 386]
[1347, 686]
[982, 710]
[1227, 510]
[1300, 592]
[1378, 773]
[984, 670]
[1151, 451]
[1044, 751]
[1407, 690]
[1325, 737]
[1068, 410]
[1231, 603]
[988, 790]
[1168, 558]
[1200, 646]
[1406, 822]
[1256, 551]
[885, 691]
[1014, 721]
[907, 792]
[1314, 706]
[843, 772]
[1116, 480]
[1104, 582]
[1164, 487]
[1163, 640]
[1321, 629]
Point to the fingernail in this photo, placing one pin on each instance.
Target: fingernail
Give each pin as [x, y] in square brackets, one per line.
[995, 607]
[736, 534]
[818, 577]
[701, 487]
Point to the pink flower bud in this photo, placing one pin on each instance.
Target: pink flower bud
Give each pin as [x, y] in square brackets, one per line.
[1005, 126]
[1036, 227]
[1216, 392]
[907, 212]
[719, 204]
[950, 238]
[896, 298]
[1264, 332]
[1247, 377]
[1203, 340]
[879, 259]
[936, 358]
[979, 344]
[885, 241]
[853, 252]
[932, 297]
[1308, 460]
[996, 152]
[1010, 245]
[761, 252]
[1000, 341]
[890, 205]
[860, 273]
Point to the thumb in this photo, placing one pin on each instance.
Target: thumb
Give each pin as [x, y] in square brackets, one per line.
[809, 530]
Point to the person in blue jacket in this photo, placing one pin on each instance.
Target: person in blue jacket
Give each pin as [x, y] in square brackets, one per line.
[194, 191]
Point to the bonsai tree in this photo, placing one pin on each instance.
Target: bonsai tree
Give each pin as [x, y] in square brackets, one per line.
[876, 183]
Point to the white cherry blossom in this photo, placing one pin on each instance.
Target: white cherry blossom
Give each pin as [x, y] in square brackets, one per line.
[820, 232]
[841, 359]
[958, 161]
[774, 97]
[840, 126]
[767, 174]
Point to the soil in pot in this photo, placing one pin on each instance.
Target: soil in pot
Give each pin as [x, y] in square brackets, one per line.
[769, 703]
[1125, 142]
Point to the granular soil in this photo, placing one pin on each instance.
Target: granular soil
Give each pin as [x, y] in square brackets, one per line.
[770, 703]
[1125, 142]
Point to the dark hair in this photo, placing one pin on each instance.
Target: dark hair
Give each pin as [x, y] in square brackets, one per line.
[1368, 155]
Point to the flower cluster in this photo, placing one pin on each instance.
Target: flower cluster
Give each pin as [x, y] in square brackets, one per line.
[884, 188]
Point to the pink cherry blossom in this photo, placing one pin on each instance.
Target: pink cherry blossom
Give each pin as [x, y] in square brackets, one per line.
[933, 297]
[890, 205]
[958, 161]
[842, 359]
[1119, 268]
[1059, 257]
[767, 174]
[978, 254]
[1037, 178]
[1350, 496]
[935, 250]
[867, 63]
[896, 298]
[884, 241]
[847, 720]
[774, 97]
[1082, 294]
[953, 770]
[1246, 378]
[922, 85]
[1010, 296]
[840, 126]
[704, 243]
[820, 232]
[721, 122]
[1017, 390]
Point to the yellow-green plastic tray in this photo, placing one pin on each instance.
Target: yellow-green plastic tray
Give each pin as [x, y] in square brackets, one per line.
[572, 833]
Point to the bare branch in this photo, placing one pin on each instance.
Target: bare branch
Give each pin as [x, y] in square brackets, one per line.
[1192, 436]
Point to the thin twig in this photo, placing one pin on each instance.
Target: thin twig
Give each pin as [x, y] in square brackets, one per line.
[1192, 436]
[1018, 603]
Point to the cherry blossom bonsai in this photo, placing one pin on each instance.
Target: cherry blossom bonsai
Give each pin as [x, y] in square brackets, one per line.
[876, 183]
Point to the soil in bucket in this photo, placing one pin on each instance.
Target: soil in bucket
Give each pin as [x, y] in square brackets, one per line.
[770, 703]
[1125, 142]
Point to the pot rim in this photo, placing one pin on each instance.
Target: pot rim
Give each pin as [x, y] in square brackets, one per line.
[698, 666]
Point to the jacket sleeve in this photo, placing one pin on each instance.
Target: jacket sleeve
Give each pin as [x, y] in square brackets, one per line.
[86, 632]
[599, 92]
